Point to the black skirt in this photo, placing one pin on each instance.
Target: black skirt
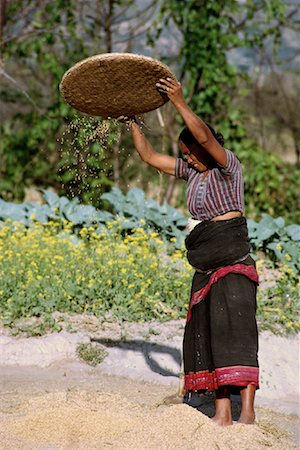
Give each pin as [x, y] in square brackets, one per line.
[221, 340]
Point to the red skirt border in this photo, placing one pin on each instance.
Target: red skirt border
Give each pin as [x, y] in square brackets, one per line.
[232, 376]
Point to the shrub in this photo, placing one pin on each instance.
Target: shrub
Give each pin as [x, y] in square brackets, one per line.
[136, 277]
[278, 241]
[278, 299]
[133, 211]
[45, 269]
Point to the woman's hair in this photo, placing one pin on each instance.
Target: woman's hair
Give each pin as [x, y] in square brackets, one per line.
[187, 138]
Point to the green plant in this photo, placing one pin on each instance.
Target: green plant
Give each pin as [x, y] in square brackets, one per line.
[133, 210]
[271, 185]
[40, 40]
[136, 277]
[39, 326]
[280, 242]
[278, 302]
[136, 208]
[91, 354]
[44, 269]
[209, 31]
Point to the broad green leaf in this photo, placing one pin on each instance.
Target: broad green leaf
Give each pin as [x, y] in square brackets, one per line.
[293, 231]
[51, 198]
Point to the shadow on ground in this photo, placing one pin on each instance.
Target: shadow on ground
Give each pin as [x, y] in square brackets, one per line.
[205, 403]
[146, 349]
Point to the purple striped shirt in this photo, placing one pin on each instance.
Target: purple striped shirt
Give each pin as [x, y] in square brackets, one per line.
[221, 191]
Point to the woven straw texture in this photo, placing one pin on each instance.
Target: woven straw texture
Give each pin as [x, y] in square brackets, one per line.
[114, 84]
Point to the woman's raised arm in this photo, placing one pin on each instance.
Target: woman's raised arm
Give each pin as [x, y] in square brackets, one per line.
[197, 127]
[164, 163]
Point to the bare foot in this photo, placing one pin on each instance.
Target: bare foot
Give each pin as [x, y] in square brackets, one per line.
[247, 414]
[223, 407]
[223, 421]
[247, 418]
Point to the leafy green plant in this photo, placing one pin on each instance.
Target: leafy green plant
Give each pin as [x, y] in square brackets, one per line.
[44, 269]
[133, 211]
[135, 207]
[278, 302]
[91, 353]
[136, 277]
[208, 33]
[271, 185]
[31, 149]
[280, 242]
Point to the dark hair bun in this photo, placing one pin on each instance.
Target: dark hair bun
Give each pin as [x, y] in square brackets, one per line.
[220, 138]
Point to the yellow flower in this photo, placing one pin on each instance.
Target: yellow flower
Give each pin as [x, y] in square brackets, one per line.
[83, 232]
[91, 283]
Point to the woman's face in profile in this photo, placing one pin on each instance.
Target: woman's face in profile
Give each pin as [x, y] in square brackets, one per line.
[196, 156]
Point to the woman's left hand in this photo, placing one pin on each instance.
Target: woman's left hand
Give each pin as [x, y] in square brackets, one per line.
[172, 88]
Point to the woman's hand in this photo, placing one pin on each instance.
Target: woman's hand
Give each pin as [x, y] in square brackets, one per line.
[127, 120]
[172, 88]
[165, 163]
[200, 131]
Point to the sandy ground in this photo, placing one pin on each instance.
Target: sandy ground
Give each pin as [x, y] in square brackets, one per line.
[52, 400]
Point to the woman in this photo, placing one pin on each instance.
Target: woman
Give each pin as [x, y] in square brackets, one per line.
[220, 340]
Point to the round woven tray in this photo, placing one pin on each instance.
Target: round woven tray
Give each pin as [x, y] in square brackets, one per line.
[114, 84]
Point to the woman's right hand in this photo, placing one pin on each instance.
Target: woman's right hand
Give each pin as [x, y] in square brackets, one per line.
[172, 88]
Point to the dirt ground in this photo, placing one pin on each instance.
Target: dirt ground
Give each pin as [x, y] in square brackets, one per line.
[71, 405]
[52, 400]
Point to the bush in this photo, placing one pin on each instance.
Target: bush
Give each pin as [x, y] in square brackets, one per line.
[279, 242]
[132, 210]
[278, 299]
[45, 269]
[271, 185]
[136, 277]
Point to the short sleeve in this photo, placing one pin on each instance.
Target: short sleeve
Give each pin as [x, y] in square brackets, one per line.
[232, 166]
[181, 169]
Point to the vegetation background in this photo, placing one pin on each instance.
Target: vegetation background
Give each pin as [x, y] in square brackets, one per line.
[239, 64]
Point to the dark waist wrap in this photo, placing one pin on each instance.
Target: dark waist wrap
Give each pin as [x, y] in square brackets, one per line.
[220, 339]
[211, 245]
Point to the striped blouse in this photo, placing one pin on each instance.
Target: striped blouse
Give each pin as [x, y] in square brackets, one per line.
[221, 191]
